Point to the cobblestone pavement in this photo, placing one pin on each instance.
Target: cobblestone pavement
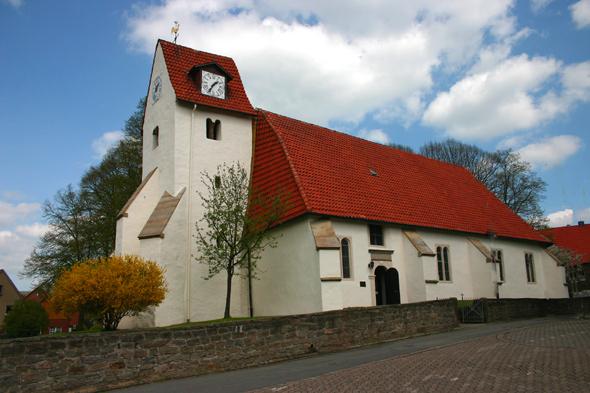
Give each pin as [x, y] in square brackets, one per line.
[552, 357]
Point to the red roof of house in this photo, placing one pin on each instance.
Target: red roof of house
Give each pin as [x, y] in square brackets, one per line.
[330, 173]
[180, 60]
[575, 238]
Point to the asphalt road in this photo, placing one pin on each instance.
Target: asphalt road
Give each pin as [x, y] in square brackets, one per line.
[279, 374]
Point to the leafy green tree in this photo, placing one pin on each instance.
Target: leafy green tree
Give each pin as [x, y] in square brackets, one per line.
[83, 220]
[27, 318]
[503, 172]
[236, 224]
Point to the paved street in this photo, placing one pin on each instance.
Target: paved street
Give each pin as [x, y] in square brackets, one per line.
[540, 355]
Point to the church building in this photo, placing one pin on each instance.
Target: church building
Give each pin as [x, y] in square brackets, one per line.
[365, 224]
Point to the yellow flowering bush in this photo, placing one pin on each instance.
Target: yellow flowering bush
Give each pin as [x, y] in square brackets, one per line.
[110, 288]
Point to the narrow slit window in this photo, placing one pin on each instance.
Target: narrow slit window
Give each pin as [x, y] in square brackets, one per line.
[499, 260]
[530, 267]
[345, 255]
[156, 137]
[443, 264]
[217, 181]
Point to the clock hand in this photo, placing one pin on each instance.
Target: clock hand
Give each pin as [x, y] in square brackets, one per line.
[212, 86]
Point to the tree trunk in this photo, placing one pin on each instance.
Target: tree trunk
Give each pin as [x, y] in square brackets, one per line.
[228, 294]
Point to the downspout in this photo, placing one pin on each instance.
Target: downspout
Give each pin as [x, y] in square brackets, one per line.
[187, 283]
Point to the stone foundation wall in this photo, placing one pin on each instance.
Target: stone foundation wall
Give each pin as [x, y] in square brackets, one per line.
[98, 361]
[507, 309]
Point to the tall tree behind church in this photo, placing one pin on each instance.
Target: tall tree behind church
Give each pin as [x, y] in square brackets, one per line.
[83, 220]
[511, 179]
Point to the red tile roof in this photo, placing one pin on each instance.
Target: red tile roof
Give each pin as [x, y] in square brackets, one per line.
[329, 173]
[180, 60]
[575, 238]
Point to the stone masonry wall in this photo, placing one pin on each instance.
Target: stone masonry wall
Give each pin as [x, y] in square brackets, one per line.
[507, 309]
[98, 361]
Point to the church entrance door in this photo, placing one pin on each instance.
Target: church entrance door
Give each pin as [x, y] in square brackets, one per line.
[386, 286]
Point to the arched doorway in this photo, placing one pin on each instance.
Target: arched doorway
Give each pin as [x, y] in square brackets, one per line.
[386, 286]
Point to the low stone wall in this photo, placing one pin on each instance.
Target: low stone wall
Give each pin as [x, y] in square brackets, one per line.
[99, 361]
[507, 309]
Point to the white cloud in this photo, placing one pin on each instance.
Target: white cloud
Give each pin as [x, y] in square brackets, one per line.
[376, 135]
[568, 217]
[32, 230]
[514, 95]
[18, 235]
[551, 151]
[581, 13]
[493, 103]
[15, 3]
[11, 213]
[538, 5]
[331, 60]
[101, 145]
[561, 218]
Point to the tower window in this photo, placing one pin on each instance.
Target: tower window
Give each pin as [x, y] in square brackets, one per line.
[156, 137]
[214, 129]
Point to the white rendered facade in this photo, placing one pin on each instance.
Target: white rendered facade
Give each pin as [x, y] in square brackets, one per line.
[297, 276]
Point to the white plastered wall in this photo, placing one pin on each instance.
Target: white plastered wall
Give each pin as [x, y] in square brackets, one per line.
[289, 275]
[207, 297]
[138, 212]
[471, 275]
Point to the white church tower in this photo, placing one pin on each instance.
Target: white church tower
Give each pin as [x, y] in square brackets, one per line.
[197, 116]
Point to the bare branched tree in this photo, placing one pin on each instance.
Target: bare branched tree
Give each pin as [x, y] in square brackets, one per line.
[503, 172]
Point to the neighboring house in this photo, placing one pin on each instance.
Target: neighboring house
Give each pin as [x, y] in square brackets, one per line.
[576, 240]
[365, 224]
[8, 295]
[58, 322]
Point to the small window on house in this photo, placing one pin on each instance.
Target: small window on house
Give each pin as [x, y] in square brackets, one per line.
[0, 290]
[499, 260]
[345, 256]
[442, 259]
[214, 129]
[8, 309]
[530, 267]
[217, 181]
[156, 137]
[376, 235]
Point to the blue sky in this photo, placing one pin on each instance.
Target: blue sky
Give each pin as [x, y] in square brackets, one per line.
[501, 74]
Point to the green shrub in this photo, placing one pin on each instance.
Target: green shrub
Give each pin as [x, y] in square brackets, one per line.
[27, 318]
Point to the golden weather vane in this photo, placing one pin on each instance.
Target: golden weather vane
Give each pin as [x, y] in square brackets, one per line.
[175, 30]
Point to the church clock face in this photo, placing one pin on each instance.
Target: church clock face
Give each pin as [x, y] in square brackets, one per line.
[212, 84]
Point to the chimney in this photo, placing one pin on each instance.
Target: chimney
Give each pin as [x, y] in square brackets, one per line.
[580, 223]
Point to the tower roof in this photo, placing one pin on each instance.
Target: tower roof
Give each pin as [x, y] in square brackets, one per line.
[180, 60]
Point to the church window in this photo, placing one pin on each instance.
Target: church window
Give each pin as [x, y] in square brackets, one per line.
[214, 129]
[442, 259]
[345, 257]
[530, 267]
[156, 137]
[376, 235]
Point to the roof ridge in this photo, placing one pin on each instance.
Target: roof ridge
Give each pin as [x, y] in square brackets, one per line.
[193, 49]
[291, 166]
